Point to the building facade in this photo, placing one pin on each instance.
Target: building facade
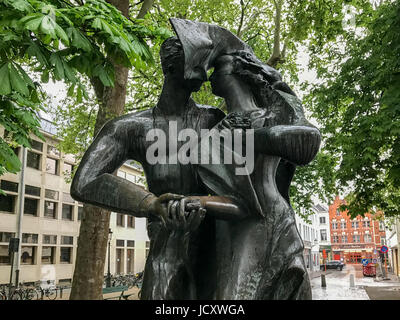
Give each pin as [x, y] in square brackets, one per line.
[355, 239]
[393, 242]
[46, 218]
[308, 231]
[324, 232]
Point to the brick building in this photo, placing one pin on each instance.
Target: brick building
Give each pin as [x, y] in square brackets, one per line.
[354, 239]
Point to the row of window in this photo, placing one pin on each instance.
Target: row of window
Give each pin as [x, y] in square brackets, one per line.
[29, 255]
[34, 159]
[8, 202]
[32, 205]
[34, 238]
[354, 224]
[356, 239]
[308, 232]
[130, 221]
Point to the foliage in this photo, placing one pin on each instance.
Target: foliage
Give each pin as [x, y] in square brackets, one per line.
[59, 40]
[358, 106]
[354, 100]
[308, 23]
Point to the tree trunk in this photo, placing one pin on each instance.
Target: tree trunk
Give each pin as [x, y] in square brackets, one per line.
[93, 235]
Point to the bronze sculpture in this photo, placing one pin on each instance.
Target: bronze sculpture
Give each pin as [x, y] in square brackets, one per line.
[214, 235]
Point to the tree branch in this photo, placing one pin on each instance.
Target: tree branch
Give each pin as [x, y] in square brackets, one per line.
[146, 6]
[239, 30]
[276, 52]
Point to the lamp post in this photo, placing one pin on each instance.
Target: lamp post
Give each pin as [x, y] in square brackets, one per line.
[108, 283]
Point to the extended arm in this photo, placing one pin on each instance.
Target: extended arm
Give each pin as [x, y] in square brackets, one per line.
[288, 135]
[297, 144]
[94, 181]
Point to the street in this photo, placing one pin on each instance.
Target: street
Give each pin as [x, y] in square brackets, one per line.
[338, 286]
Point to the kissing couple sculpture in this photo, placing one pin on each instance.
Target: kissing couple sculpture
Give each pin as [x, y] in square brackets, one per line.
[213, 234]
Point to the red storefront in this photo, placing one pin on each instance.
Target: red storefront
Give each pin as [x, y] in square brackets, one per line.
[354, 239]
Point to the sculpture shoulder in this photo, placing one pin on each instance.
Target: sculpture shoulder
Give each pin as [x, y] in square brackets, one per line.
[135, 121]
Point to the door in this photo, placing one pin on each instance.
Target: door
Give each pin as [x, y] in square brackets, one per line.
[119, 262]
[130, 259]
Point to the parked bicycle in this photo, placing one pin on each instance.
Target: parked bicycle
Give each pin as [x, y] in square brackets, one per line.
[46, 289]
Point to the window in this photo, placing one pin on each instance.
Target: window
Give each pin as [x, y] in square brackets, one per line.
[29, 238]
[131, 222]
[367, 238]
[48, 255]
[68, 168]
[37, 145]
[6, 236]
[356, 238]
[67, 212]
[120, 219]
[131, 177]
[334, 225]
[28, 254]
[51, 165]
[33, 160]
[354, 224]
[80, 212]
[7, 203]
[33, 191]
[50, 209]
[51, 194]
[344, 239]
[381, 225]
[366, 224]
[338, 212]
[9, 186]
[335, 239]
[53, 151]
[49, 239]
[323, 235]
[343, 225]
[66, 255]
[67, 240]
[4, 257]
[130, 243]
[31, 206]
[383, 241]
[120, 243]
[322, 220]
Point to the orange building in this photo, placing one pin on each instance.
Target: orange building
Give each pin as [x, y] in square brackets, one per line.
[354, 239]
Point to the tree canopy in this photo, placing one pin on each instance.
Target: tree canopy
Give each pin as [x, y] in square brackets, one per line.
[358, 106]
[353, 47]
[59, 40]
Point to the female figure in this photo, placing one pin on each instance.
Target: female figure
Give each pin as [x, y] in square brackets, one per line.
[260, 253]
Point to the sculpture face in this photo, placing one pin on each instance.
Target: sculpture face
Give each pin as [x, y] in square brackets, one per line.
[173, 61]
[223, 74]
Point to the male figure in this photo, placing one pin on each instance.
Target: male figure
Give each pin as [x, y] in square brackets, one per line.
[124, 138]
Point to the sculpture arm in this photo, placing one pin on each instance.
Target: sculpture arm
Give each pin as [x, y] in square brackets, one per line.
[297, 144]
[220, 207]
[94, 181]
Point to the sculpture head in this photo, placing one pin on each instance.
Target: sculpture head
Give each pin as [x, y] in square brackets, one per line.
[244, 67]
[172, 63]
